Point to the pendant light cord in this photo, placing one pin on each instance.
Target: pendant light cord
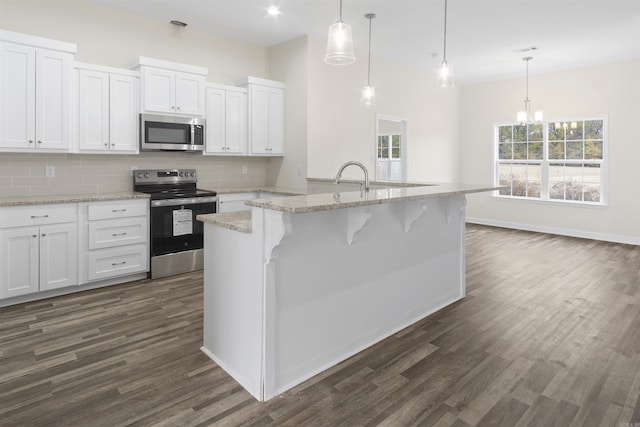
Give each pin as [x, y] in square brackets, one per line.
[369, 67]
[340, 11]
[444, 55]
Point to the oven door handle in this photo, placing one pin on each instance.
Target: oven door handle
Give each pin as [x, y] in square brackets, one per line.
[185, 201]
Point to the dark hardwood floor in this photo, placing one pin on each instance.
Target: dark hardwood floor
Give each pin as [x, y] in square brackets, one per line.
[548, 335]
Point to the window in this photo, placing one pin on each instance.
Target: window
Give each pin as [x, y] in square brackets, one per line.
[390, 148]
[559, 161]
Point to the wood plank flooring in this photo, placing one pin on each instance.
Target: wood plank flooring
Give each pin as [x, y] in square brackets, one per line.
[548, 335]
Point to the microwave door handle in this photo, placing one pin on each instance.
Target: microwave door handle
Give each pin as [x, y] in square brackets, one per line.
[193, 134]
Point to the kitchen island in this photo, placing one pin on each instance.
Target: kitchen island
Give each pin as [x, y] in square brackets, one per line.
[300, 283]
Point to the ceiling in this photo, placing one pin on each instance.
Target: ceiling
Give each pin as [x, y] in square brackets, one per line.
[483, 36]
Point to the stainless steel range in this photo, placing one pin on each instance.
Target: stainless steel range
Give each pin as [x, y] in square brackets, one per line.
[176, 236]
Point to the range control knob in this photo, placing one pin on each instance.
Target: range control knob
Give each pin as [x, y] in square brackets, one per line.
[146, 174]
[193, 174]
[180, 173]
[139, 174]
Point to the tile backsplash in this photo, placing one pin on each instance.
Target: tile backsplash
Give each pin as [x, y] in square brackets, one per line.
[24, 174]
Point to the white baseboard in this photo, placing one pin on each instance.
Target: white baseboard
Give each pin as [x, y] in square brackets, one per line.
[555, 230]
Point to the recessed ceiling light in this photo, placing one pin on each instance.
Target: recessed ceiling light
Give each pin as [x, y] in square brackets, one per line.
[273, 11]
[179, 23]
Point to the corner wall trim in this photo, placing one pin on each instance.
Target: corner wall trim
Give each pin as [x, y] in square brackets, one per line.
[615, 238]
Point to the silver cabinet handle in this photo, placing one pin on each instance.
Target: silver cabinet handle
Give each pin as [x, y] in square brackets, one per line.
[39, 216]
[39, 142]
[34, 236]
[178, 108]
[118, 263]
[118, 210]
[119, 234]
[31, 141]
[44, 234]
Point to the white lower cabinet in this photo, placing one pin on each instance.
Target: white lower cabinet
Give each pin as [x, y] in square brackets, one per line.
[38, 249]
[114, 239]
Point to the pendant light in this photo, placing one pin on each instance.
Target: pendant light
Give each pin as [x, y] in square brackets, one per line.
[340, 43]
[368, 98]
[525, 116]
[445, 76]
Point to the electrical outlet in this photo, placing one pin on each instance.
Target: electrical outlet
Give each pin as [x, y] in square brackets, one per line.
[50, 171]
[244, 169]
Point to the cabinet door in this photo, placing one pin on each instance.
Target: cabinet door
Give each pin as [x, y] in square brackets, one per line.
[190, 94]
[18, 261]
[159, 90]
[53, 99]
[259, 126]
[123, 113]
[17, 96]
[93, 110]
[276, 121]
[236, 122]
[215, 128]
[58, 256]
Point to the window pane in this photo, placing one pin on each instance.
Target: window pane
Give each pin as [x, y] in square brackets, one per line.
[395, 140]
[535, 150]
[520, 133]
[593, 150]
[574, 150]
[556, 132]
[384, 153]
[534, 176]
[556, 150]
[395, 153]
[505, 133]
[592, 178]
[535, 132]
[575, 131]
[505, 151]
[556, 181]
[593, 129]
[520, 150]
[519, 181]
[573, 182]
[504, 178]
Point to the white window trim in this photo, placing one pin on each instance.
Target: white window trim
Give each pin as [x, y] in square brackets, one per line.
[544, 174]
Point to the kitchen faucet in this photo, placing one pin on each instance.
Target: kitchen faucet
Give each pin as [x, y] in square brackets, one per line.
[364, 169]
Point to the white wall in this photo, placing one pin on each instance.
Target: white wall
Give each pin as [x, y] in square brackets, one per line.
[340, 130]
[611, 89]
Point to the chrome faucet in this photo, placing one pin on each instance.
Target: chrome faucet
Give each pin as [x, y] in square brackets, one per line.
[361, 166]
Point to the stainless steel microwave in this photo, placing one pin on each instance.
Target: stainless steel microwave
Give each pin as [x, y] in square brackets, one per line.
[173, 133]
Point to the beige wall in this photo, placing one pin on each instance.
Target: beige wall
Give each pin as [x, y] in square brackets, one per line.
[289, 63]
[340, 130]
[611, 89]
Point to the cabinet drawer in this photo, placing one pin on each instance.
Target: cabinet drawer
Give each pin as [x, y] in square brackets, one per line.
[117, 232]
[21, 216]
[106, 263]
[117, 209]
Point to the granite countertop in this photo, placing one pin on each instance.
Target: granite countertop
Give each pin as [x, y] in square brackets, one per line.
[285, 191]
[237, 221]
[351, 199]
[70, 198]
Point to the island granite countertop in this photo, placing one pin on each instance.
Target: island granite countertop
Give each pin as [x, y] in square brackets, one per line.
[70, 198]
[241, 221]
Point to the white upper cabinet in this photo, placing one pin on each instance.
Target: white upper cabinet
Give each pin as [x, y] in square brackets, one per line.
[169, 87]
[266, 116]
[107, 110]
[226, 120]
[35, 93]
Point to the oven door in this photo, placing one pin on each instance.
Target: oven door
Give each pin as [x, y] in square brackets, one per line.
[174, 227]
